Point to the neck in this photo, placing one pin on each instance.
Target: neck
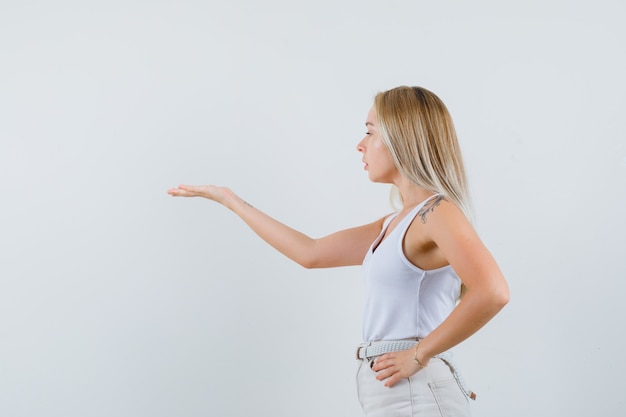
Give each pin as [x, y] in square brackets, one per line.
[412, 194]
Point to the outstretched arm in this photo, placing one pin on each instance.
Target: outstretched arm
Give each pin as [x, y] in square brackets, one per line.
[343, 248]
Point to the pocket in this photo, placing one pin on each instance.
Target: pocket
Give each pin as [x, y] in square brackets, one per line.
[450, 400]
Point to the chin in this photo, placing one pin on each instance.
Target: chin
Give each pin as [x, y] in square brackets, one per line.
[378, 179]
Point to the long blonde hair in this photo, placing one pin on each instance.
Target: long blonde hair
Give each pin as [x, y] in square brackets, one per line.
[417, 129]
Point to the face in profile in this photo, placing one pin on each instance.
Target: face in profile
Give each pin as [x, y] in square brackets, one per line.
[376, 157]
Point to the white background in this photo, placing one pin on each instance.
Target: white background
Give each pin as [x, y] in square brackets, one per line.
[118, 300]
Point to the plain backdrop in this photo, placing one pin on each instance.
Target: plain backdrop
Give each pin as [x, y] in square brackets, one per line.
[119, 300]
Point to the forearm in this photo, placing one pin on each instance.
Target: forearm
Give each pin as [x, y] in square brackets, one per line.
[476, 308]
[295, 245]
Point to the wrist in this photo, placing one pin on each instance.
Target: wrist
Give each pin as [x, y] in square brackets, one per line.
[420, 360]
[233, 202]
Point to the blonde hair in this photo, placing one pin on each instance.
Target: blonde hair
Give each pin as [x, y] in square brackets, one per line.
[417, 129]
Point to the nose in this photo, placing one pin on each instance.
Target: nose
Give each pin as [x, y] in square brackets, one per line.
[360, 146]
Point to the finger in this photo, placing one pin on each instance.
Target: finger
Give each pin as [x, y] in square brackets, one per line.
[177, 192]
[194, 190]
[386, 373]
[186, 188]
[384, 361]
[393, 380]
[388, 359]
[380, 364]
[185, 191]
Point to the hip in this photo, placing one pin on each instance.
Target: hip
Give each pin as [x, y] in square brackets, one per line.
[433, 391]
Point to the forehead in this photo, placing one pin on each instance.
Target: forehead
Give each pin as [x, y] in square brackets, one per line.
[371, 117]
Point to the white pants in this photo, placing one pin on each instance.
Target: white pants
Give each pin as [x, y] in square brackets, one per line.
[431, 392]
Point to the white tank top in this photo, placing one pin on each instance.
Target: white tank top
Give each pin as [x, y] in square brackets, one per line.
[403, 301]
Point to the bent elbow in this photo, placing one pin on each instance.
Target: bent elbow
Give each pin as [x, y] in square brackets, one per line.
[501, 297]
[493, 299]
[316, 262]
[309, 262]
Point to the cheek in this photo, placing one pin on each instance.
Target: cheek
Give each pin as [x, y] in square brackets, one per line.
[383, 156]
[382, 167]
[379, 150]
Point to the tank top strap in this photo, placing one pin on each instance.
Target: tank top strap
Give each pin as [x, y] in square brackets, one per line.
[411, 215]
[388, 220]
[404, 222]
[423, 203]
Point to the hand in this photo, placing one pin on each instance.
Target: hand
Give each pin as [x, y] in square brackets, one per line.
[212, 192]
[395, 366]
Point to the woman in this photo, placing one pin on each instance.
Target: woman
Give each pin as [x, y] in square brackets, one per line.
[430, 281]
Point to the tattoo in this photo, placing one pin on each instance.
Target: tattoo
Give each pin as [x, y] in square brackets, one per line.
[429, 207]
[247, 204]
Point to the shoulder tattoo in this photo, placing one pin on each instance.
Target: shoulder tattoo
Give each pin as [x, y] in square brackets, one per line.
[429, 207]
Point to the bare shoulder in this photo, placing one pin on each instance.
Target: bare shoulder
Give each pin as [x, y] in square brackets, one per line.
[441, 220]
[437, 208]
[377, 225]
[438, 224]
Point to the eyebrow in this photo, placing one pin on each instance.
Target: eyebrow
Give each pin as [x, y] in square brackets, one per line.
[369, 124]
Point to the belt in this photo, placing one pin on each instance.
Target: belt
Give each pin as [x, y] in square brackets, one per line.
[368, 351]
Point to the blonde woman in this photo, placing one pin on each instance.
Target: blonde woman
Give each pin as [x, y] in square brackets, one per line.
[430, 283]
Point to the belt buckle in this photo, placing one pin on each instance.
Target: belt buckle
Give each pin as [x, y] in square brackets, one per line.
[358, 351]
[364, 347]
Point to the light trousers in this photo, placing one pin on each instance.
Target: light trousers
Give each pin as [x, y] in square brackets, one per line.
[431, 392]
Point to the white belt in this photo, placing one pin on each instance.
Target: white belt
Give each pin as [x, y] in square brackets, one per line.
[371, 350]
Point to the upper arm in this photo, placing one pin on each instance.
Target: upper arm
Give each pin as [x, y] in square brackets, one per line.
[346, 247]
[457, 239]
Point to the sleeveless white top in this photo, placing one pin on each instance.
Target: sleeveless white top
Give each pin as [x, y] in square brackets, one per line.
[403, 301]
